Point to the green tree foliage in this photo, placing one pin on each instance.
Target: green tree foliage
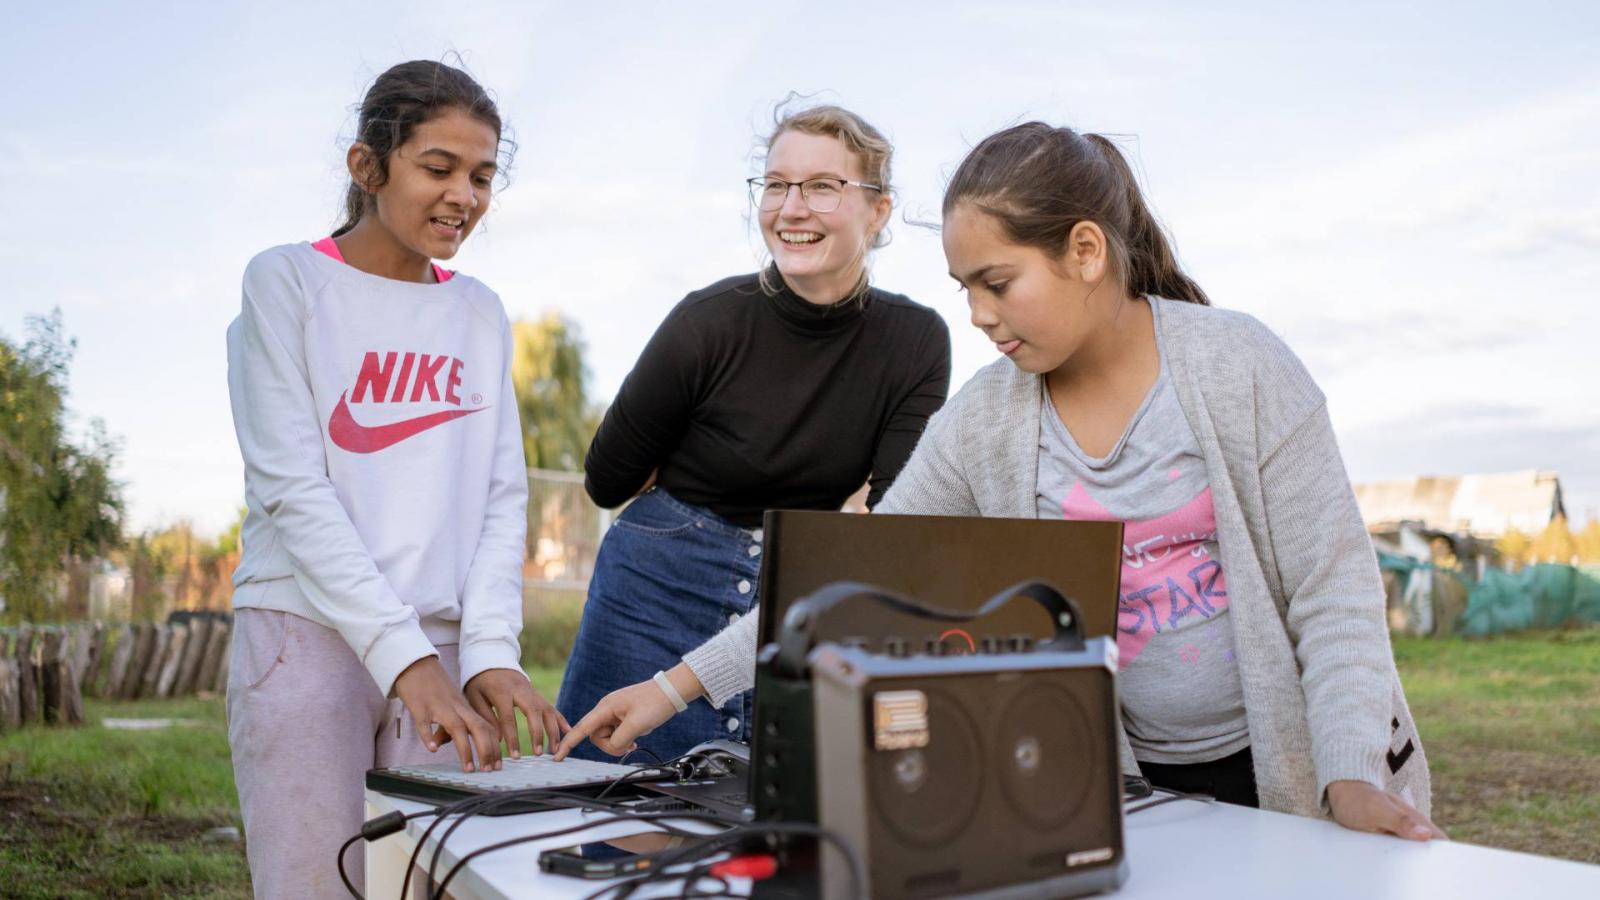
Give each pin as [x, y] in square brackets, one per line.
[551, 382]
[175, 567]
[228, 541]
[57, 498]
[148, 565]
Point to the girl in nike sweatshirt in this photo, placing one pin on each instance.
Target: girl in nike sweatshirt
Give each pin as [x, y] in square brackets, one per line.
[379, 597]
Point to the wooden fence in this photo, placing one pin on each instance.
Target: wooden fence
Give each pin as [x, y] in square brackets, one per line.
[47, 670]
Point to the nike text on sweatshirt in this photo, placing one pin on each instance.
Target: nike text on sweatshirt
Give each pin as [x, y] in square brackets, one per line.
[385, 481]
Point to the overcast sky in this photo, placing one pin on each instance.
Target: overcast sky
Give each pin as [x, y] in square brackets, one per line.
[1409, 197]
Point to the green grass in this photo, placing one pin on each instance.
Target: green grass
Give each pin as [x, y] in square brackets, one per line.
[1511, 727]
[94, 812]
[546, 682]
[1534, 694]
[551, 632]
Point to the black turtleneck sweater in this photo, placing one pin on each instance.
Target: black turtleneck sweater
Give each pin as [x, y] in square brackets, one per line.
[747, 401]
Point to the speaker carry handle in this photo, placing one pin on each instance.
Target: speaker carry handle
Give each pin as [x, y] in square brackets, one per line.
[797, 634]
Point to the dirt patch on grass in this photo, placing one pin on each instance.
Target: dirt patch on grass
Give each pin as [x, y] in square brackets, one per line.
[1521, 801]
[31, 804]
[55, 851]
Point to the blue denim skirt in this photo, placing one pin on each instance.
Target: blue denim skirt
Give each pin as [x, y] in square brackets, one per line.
[669, 575]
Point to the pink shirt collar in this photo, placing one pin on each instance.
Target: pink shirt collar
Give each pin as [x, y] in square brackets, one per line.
[328, 246]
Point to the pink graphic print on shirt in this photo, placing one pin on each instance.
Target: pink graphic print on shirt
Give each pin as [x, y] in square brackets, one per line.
[1168, 575]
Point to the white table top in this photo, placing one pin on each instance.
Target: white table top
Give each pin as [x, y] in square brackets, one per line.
[1184, 849]
[503, 874]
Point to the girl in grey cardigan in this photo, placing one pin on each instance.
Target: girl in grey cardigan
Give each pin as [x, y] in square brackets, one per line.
[1255, 659]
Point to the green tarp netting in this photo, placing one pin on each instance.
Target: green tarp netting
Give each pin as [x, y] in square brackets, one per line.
[1546, 595]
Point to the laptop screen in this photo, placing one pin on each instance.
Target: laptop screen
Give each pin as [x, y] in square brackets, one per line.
[951, 562]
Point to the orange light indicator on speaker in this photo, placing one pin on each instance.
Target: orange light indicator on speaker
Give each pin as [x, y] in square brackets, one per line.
[972, 645]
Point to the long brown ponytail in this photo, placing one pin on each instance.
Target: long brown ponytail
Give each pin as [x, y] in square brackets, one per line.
[1039, 182]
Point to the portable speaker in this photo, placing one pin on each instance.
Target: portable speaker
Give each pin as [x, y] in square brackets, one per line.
[986, 767]
[972, 776]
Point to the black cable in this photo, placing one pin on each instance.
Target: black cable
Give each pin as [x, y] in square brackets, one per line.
[480, 804]
[623, 760]
[660, 872]
[858, 869]
[709, 845]
[692, 877]
[472, 805]
[441, 813]
[716, 843]
[570, 801]
[507, 799]
[382, 826]
[567, 800]
[708, 760]
[663, 820]
[584, 826]
[344, 876]
[484, 804]
[467, 806]
[698, 874]
[466, 812]
[1174, 791]
[633, 777]
[1172, 797]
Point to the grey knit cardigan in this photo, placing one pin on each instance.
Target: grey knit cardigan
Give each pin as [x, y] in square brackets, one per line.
[1322, 697]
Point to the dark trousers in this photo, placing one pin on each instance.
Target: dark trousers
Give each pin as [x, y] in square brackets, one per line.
[1231, 779]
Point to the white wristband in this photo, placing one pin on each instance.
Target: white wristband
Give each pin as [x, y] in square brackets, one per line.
[676, 698]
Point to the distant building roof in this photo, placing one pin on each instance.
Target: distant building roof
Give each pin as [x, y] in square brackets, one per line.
[1484, 505]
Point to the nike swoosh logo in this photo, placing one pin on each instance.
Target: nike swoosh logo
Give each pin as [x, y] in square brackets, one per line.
[348, 434]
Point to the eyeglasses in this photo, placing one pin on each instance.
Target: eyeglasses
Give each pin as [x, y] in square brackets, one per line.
[823, 195]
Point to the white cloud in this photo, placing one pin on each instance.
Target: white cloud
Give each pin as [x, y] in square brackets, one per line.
[1434, 282]
[1437, 273]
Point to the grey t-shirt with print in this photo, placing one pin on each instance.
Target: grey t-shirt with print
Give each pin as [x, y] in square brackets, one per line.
[1182, 701]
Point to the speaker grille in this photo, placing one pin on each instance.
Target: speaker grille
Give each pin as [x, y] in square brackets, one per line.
[1045, 754]
[926, 796]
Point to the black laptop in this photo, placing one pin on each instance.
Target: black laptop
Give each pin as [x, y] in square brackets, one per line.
[951, 562]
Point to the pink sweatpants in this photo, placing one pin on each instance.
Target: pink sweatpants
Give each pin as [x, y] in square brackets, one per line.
[306, 722]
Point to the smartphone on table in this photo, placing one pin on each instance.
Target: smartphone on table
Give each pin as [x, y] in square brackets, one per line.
[617, 857]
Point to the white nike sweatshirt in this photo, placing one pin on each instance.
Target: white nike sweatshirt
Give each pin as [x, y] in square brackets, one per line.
[385, 481]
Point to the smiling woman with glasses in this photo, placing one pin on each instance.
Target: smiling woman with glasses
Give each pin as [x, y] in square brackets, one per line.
[784, 389]
[823, 195]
